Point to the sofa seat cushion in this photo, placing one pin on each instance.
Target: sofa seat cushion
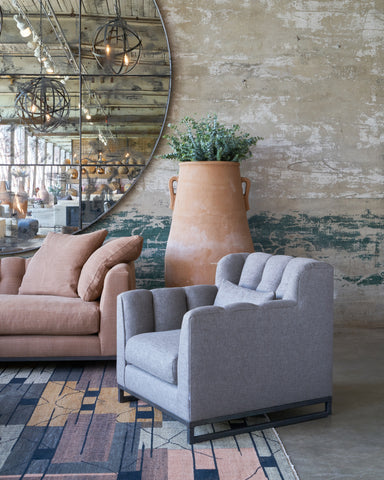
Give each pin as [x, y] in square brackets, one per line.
[47, 315]
[156, 353]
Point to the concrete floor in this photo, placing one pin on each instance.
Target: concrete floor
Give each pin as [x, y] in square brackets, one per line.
[349, 444]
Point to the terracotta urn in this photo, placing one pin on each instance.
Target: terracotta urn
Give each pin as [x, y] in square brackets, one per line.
[5, 195]
[20, 201]
[43, 194]
[209, 221]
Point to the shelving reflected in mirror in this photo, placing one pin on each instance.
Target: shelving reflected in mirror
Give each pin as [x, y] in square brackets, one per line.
[76, 131]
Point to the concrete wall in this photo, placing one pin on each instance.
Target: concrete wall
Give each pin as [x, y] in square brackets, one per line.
[307, 75]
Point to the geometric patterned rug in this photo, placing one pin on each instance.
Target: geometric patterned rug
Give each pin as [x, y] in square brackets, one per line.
[63, 422]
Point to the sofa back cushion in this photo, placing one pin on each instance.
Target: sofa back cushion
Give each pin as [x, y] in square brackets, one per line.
[120, 250]
[55, 267]
[12, 270]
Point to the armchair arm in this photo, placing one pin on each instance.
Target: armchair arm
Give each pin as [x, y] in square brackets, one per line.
[120, 278]
[142, 311]
[245, 357]
[200, 295]
[134, 316]
[12, 271]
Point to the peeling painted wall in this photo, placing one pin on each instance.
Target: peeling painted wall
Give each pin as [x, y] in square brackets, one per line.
[308, 76]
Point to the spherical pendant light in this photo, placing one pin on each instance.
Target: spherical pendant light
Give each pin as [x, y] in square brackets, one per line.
[43, 103]
[116, 46]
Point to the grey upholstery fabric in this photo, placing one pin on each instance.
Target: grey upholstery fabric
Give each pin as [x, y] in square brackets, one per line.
[156, 353]
[230, 268]
[273, 272]
[253, 269]
[200, 295]
[236, 358]
[166, 318]
[230, 293]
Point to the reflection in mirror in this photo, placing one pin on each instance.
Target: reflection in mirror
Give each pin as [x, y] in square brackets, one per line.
[81, 111]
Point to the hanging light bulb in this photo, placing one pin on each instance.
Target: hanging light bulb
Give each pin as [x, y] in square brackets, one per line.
[116, 46]
[40, 54]
[64, 80]
[34, 42]
[43, 103]
[25, 31]
[48, 67]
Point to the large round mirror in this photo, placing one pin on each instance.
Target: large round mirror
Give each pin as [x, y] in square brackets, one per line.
[84, 91]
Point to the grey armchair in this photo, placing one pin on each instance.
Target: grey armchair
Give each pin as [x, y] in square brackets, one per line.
[256, 342]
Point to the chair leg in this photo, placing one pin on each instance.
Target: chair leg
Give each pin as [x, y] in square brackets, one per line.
[191, 435]
[125, 398]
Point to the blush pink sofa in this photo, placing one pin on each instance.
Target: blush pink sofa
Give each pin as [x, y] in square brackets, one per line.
[61, 303]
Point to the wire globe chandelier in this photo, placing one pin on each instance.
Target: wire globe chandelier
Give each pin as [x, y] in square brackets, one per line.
[43, 103]
[116, 46]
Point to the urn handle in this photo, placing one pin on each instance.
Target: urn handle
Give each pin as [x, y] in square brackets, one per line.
[172, 191]
[246, 191]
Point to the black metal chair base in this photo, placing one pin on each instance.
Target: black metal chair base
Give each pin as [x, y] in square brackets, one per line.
[241, 418]
[125, 398]
[268, 423]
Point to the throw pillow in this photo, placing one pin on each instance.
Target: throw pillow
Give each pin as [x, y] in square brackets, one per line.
[230, 293]
[55, 267]
[124, 249]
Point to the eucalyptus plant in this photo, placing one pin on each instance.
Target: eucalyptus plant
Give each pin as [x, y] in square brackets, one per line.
[208, 140]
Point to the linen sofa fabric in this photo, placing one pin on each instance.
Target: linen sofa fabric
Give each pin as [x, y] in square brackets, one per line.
[12, 270]
[52, 346]
[120, 278]
[55, 267]
[48, 315]
[120, 250]
[56, 326]
[234, 358]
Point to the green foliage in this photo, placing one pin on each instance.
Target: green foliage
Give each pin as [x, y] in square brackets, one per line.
[55, 189]
[208, 140]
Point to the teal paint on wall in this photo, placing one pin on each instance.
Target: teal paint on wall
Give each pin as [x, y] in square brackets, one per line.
[276, 234]
[155, 231]
[360, 237]
[357, 237]
[376, 279]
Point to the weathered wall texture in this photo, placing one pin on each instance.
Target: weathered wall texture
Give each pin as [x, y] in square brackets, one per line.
[308, 76]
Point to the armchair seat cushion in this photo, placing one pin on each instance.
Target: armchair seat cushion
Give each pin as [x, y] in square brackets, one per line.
[162, 359]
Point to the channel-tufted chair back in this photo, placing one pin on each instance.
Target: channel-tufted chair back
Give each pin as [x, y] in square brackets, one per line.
[266, 272]
[258, 341]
